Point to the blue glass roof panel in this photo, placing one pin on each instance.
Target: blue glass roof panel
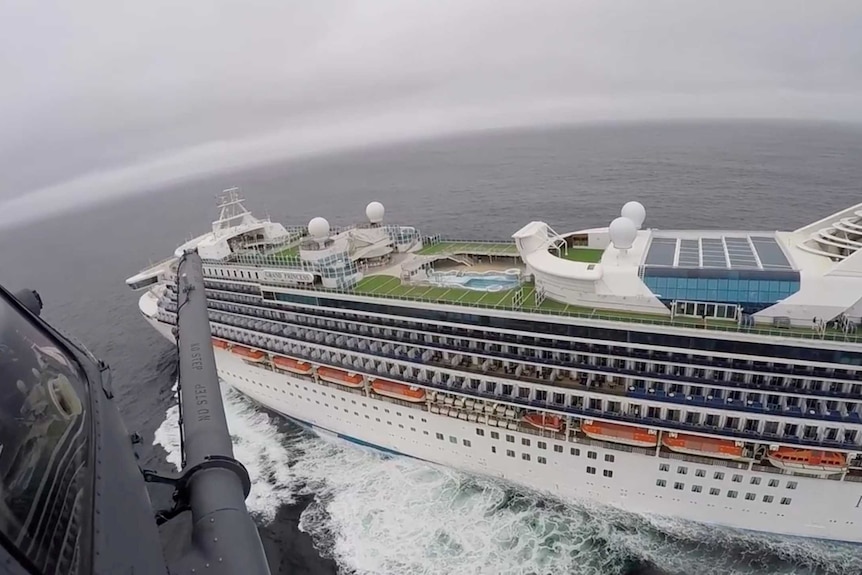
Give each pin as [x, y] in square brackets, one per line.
[770, 253]
[722, 252]
[689, 253]
[662, 252]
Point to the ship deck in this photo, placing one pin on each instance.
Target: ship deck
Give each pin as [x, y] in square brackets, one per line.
[471, 248]
[386, 286]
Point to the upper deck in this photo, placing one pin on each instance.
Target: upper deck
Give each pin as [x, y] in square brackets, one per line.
[383, 286]
[778, 284]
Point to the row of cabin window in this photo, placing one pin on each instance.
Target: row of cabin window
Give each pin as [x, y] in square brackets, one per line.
[608, 336]
[661, 367]
[730, 422]
[609, 473]
[716, 491]
[682, 470]
[453, 439]
[524, 456]
[605, 472]
[543, 445]
[494, 435]
[719, 475]
[226, 273]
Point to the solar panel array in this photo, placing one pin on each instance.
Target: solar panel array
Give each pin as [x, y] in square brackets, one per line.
[726, 252]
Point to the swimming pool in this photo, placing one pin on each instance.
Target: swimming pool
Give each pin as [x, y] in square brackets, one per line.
[478, 281]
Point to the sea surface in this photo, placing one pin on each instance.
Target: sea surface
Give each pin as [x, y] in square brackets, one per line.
[328, 507]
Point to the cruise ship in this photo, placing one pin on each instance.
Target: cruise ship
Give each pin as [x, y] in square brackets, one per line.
[707, 375]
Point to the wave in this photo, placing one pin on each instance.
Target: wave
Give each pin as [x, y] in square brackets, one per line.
[374, 514]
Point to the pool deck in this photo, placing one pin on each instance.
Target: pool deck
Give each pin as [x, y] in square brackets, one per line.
[389, 286]
[386, 283]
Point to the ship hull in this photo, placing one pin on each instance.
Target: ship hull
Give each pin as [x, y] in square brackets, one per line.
[813, 511]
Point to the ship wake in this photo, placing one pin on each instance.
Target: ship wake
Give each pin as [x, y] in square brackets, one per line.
[378, 514]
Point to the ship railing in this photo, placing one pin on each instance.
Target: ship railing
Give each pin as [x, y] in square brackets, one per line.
[535, 378]
[524, 428]
[605, 369]
[703, 460]
[561, 437]
[591, 442]
[401, 402]
[161, 262]
[777, 471]
[564, 409]
[597, 443]
[446, 240]
[596, 314]
[263, 261]
[506, 248]
[614, 446]
[294, 262]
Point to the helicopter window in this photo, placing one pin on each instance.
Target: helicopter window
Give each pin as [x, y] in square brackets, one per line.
[44, 438]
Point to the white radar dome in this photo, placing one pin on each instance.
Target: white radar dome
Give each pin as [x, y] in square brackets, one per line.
[318, 228]
[634, 211]
[375, 212]
[623, 233]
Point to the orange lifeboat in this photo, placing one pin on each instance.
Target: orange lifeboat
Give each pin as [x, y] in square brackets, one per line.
[248, 354]
[617, 433]
[398, 391]
[703, 446]
[808, 460]
[219, 343]
[545, 421]
[340, 377]
[290, 364]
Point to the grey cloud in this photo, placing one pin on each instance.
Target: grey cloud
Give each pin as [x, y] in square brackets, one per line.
[105, 97]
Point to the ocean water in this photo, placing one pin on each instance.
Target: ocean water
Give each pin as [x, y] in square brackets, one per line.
[327, 507]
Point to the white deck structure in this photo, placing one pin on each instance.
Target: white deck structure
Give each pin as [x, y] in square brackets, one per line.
[823, 255]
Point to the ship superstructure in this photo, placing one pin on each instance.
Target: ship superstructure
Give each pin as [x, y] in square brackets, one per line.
[709, 375]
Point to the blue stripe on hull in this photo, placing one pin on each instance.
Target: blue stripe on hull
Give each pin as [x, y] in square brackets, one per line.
[312, 427]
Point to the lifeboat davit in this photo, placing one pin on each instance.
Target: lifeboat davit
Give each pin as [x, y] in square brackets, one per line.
[617, 433]
[808, 461]
[219, 343]
[248, 354]
[340, 377]
[398, 391]
[703, 446]
[545, 421]
[292, 365]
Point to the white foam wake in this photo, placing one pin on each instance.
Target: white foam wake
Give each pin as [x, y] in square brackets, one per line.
[257, 443]
[377, 514]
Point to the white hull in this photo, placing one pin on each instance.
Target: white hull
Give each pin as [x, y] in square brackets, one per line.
[816, 509]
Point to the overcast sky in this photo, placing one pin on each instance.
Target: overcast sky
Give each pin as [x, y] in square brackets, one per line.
[101, 97]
